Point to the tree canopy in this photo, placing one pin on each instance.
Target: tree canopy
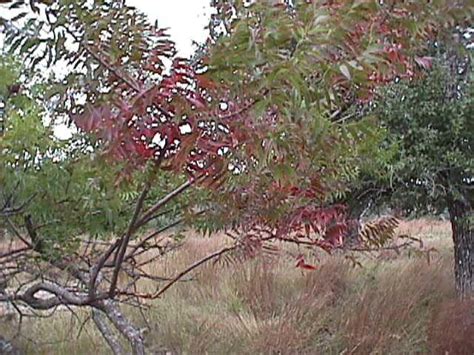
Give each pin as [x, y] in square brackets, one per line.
[430, 122]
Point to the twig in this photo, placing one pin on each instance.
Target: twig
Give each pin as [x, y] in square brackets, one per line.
[149, 214]
[187, 271]
[126, 239]
[142, 243]
[14, 252]
[17, 233]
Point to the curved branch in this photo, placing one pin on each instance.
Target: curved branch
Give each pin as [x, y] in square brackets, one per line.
[61, 296]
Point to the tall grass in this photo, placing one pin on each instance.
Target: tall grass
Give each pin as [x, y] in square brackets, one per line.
[396, 305]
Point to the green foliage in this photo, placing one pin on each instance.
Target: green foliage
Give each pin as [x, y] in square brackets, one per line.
[8, 75]
[73, 190]
[430, 123]
[311, 65]
[56, 39]
[67, 188]
[274, 142]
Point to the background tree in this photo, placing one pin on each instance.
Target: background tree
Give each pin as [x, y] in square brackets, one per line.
[430, 122]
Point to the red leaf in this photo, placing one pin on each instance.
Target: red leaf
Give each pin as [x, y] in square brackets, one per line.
[335, 233]
[424, 62]
[300, 263]
[196, 100]
[205, 83]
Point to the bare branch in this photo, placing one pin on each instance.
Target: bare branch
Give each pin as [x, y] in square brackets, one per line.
[187, 271]
[126, 239]
[17, 233]
[101, 323]
[61, 296]
[149, 214]
[144, 241]
[129, 331]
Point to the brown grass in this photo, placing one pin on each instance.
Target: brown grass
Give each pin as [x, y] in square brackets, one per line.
[452, 328]
[399, 305]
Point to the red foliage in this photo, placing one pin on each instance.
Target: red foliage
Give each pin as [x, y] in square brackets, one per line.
[172, 121]
[186, 122]
[313, 219]
[393, 45]
[301, 263]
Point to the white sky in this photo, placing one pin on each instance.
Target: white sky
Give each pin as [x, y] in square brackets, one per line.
[186, 19]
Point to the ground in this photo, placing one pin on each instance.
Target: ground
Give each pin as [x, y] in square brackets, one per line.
[392, 304]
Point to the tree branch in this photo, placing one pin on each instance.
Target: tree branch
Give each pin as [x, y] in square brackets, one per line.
[101, 323]
[149, 214]
[126, 239]
[187, 271]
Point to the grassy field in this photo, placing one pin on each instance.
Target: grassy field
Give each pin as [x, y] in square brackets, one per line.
[393, 304]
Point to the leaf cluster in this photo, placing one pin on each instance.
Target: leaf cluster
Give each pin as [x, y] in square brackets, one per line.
[430, 123]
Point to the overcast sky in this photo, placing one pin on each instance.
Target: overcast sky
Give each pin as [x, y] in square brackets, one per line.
[186, 19]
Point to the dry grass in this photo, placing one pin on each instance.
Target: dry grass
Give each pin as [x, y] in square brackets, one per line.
[452, 330]
[398, 305]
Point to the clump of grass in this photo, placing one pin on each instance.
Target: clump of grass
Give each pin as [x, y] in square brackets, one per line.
[389, 311]
[392, 306]
[58, 333]
[452, 328]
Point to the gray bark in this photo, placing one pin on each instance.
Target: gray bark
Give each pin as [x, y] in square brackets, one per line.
[124, 326]
[101, 322]
[7, 348]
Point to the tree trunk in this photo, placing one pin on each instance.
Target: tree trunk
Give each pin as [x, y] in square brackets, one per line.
[461, 216]
[358, 204]
[100, 321]
[128, 330]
